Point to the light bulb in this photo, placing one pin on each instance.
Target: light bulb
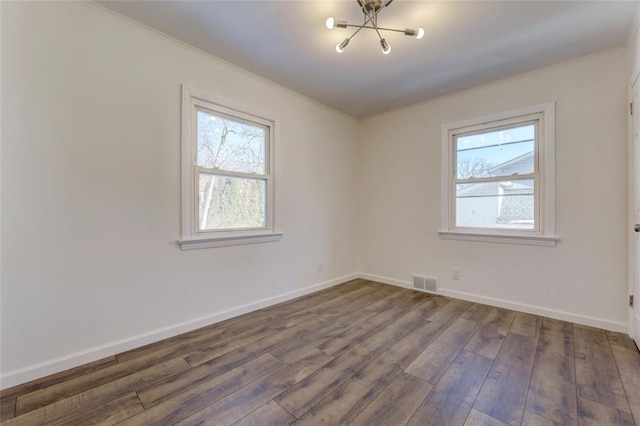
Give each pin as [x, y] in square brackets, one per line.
[330, 22]
[340, 46]
[420, 33]
[386, 48]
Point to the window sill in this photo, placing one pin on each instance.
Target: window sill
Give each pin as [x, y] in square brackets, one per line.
[210, 242]
[531, 240]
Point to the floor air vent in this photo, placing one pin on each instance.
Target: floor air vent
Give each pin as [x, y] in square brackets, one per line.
[425, 284]
[419, 282]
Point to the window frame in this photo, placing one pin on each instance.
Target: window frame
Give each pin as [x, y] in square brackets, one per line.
[543, 176]
[192, 236]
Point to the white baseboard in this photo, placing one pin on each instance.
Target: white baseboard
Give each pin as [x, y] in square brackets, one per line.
[35, 371]
[385, 280]
[606, 324]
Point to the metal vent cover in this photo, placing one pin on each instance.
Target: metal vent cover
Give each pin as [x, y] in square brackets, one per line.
[423, 283]
[431, 284]
[419, 282]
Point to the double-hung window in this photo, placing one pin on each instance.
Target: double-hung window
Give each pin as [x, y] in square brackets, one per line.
[498, 178]
[227, 175]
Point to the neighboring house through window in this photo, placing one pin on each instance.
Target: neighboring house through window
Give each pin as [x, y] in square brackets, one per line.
[227, 175]
[498, 178]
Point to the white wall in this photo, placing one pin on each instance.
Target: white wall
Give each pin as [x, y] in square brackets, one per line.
[583, 278]
[633, 42]
[634, 46]
[91, 191]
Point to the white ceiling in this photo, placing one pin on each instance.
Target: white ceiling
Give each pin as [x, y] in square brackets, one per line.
[467, 43]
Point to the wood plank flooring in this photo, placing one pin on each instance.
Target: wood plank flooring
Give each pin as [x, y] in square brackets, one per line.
[361, 353]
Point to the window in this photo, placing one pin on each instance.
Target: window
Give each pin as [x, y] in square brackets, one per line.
[227, 175]
[498, 178]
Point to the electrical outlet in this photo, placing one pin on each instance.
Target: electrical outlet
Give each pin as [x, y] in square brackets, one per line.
[320, 266]
[456, 273]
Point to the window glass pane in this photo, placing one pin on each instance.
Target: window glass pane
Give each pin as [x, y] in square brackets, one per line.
[496, 153]
[230, 145]
[501, 204]
[231, 203]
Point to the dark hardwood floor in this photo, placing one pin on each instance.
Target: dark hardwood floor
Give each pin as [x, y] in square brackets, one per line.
[360, 353]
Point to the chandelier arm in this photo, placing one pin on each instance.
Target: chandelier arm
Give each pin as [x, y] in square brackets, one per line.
[372, 16]
[357, 31]
[372, 28]
[379, 10]
[368, 18]
[377, 31]
[375, 25]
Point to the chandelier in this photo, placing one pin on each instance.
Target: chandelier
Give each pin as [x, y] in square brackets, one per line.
[371, 9]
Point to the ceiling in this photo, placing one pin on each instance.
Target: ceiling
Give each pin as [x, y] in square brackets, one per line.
[466, 43]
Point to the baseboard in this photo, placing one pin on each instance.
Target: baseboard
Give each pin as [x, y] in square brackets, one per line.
[35, 371]
[516, 306]
[385, 280]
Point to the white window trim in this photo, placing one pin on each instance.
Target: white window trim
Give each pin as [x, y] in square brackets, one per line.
[546, 235]
[191, 237]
